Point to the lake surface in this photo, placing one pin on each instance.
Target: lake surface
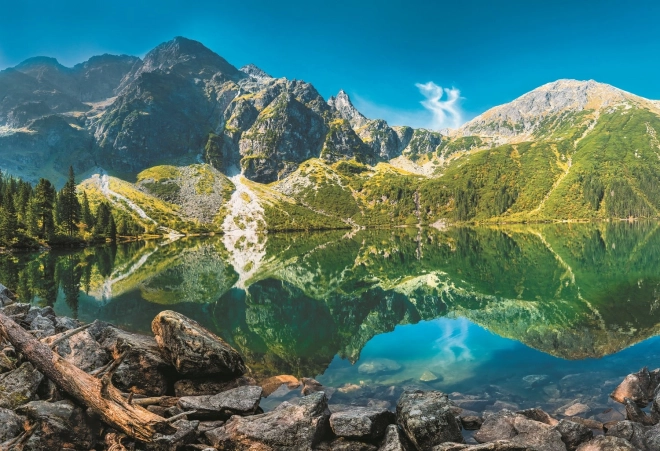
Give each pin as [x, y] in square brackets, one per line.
[541, 315]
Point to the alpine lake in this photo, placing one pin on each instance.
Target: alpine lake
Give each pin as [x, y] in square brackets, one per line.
[542, 315]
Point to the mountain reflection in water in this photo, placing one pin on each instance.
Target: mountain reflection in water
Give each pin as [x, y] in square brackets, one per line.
[445, 306]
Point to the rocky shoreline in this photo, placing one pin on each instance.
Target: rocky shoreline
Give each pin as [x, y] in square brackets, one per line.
[204, 397]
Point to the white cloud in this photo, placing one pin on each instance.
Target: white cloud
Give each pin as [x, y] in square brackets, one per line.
[442, 109]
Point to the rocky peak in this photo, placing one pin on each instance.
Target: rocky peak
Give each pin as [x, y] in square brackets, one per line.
[342, 103]
[254, 71]
[39, 62]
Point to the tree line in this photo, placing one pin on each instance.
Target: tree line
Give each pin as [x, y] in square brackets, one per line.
[35, 215]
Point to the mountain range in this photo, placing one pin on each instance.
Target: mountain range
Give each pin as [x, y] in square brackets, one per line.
[184, 140]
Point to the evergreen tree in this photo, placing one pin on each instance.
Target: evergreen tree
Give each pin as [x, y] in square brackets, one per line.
[86, 213]
[8, 222]
[42, 207]
[69, 206]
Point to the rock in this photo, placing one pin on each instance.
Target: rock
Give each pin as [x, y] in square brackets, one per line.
[427, 419]
[45, 312]
[289, 426]
[11, 425]
[638, 387]
[501, 405]
[310, 386]
[536, 436]
[237, 401]
[17, 311]
[534, 380]
[63, 323]
[476, 405]
[209, 425]
[538, 415]
[81, 350]
[573, 434]
[497, 426]
[395, 440]
[192, 349]
[471, 422]
[634, 413]
[19, 386]
[343, 444]
[632, 432]
[194, 387]
[143, 370]
[602, 443]
[43, 325]
[591, 424]
[273, 383]
[59, 425]
[500, 445]
[428, 376]
[186, 432]
[378, 366]
[577, 409]
[361, 423]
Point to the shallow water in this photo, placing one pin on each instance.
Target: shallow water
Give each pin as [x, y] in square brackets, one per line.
[531, 315]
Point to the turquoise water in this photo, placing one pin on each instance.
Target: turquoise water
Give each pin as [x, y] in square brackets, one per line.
[530, 315]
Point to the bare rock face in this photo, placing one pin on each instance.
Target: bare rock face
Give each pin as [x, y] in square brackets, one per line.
[143, 370]
[59, 425]
[192, 349]
[602, 443]
[427, 419]
[10, 425]
[238, 401]
[362, 423]
[19, 386]
[293, 427]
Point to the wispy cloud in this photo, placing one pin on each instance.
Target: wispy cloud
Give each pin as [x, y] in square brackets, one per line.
[441, 109]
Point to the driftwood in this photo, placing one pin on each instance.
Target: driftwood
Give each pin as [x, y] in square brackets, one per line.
[96, 394]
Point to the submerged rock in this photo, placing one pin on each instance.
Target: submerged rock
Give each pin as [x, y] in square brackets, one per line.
[192, 349]
[377, 366]
[289, 426]
[362, 423]
[427, 418]
[237, 401]
[271, 384]
[19, 386]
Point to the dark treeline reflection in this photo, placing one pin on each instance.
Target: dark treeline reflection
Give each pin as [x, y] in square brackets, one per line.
[569, 290]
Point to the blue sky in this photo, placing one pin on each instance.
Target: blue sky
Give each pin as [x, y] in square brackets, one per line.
[383, 53]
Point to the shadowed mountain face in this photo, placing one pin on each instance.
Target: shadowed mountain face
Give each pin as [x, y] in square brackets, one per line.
[556, 288]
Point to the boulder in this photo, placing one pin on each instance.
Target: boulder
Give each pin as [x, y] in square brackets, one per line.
[361, 423]
[344, 444]
[192, 349]
[395, 440]
[237, 401]
[603, 443]
[471, 422]
[11, 425]
[497, 426]
[634, 413]
[634, 433]
[273, 383]
[81, 350]
[64, 323]
[573, 434]
[536, 436]
[19, 386]
[538, 415]
[311, 386]
[58, 425]
[639, 387]
[500, 445]
[186, 433]
[44, 326]
[143, 371]
[199, 387]
[17, 311]
[290, 426]
[427, 418]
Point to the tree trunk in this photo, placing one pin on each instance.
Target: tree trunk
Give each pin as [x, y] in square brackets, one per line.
[96, 394]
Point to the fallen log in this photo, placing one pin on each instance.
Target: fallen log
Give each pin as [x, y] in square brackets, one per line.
[98, 395]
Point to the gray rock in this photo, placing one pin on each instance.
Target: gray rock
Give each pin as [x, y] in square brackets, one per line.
[427, 418]
[498, 426]
[538, 415]
[501, 445]
[602, 443]
[638, 387]
[634, 413]
[199, 387]
[344, 444]
[471, 422]
[378, 366]
[237, 401]
[186, 433]
[82, 350]
[64, 323]
[59, 425]
[17, 311]
[43, 325]
[395, 440]
[310, 386]
[573, 434]
[10, 425]
[634, 433]
[19, 386]
[290, 426]
[537, 436]
[362, 423]
[476, 405]
[192, 349]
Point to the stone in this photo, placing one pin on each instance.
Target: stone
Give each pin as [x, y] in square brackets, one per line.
[603, 443]
[573, 434]
[43, 325]
[209, 425]
[427, 418]
[497, 426]
[535, 380]
[143, 371]
[500, 445]
[632, 432]
[310, 386]
[471, 422]
[429, 376]
[289, 426]
[536, 435]
[538, 415]
[476, 405]
[577, 409]
[186, 433]
[192, 349]
[237, 401]
[17, 311]
[378, 366]
[81, 350]
[395, 440]
[362, 423]
[638, 387]
[344, 444]
[634, 413]
[19, 386]
[199, 387]
[11, 425]
[58, 425]
[591, 424]
[273, 383]
[64, 323]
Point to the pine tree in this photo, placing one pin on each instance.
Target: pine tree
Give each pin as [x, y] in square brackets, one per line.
[8, 222]
[43, 205]
[69, 206]
[86, 213]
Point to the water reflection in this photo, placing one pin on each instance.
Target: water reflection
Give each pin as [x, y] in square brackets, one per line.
[325, 303]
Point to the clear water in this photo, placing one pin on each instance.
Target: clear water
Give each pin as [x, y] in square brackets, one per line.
[544, 315]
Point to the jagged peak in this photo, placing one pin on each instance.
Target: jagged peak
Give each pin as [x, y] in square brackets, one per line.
[342, 103]
[254, 71]
[38, 61]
